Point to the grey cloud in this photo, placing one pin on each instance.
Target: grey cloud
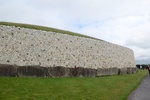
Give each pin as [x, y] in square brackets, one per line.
[124, 22]
[141, 43]
[142, 61]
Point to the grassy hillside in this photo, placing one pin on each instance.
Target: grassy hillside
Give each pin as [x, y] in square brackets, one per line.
[44, 28]
[87, 88]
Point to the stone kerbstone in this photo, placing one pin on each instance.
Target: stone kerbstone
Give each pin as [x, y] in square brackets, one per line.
[80, 72]
[105, 72]
[134, 70]
[129, 71]
[59, 71]
[122, 71]
[8, 70]
[34, 71]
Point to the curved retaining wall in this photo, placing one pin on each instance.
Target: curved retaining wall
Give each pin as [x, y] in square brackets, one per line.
[29, 52]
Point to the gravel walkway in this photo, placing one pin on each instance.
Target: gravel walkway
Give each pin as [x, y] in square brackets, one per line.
[143, 90]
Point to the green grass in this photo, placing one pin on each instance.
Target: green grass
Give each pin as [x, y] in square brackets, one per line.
[87, 88]
[45, 29]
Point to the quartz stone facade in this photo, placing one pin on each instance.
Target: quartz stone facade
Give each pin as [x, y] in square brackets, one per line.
[29, 47]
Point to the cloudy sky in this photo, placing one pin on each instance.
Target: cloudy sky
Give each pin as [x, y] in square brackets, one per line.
[123, 22]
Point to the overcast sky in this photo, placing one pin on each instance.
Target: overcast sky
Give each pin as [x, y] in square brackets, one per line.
[123, 22]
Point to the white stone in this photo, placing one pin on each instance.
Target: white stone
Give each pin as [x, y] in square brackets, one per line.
[36, 47]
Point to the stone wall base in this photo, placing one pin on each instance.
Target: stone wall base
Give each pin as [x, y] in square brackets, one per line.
[59, 71]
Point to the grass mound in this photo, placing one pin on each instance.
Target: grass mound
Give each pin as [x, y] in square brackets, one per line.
[45, 29]
[87, 88]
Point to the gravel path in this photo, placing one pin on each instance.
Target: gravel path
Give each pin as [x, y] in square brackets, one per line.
[143, 90]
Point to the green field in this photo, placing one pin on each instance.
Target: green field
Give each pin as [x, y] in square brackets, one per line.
[88, 88]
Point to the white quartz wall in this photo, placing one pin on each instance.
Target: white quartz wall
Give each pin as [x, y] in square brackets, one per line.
[22, 46]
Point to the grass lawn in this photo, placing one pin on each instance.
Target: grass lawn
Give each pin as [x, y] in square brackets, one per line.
[88, 88]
